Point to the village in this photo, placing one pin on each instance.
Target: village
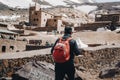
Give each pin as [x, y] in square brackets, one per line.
[30, 37]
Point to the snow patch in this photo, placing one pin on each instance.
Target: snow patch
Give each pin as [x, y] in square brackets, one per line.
[80, 43]
[86, 8]
[13, 17]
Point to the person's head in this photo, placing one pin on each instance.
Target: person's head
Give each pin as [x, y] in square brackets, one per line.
[68, 30]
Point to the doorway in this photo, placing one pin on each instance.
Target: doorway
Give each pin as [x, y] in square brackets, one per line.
[3, 48]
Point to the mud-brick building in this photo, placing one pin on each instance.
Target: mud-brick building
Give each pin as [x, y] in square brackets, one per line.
[38, 17]
[8, 42]
[55, 23]
[42, 20]
[3, 26]
[101, 20]
[107, 17]
[7, 45]
[6, 34]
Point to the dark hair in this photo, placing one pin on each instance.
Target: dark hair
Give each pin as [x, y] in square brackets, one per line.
[68, 30]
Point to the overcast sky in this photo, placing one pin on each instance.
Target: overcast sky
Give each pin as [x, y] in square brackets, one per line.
[107, 0]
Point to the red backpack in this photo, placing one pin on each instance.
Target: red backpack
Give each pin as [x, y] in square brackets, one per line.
[61, 52]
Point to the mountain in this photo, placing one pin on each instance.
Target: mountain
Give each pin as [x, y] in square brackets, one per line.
[26, 3]
[3, 6]
[47, 3]
[16, 4]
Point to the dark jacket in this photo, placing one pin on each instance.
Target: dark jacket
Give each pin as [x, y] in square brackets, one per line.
[73, 48]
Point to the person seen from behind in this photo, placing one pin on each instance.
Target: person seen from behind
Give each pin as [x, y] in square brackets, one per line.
[67, 67]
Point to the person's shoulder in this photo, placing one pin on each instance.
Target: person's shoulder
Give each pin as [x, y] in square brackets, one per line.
[72, 40]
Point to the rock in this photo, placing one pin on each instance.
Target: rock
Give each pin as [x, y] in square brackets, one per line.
[17, 77]
[108, 73]
[37, 71]
[118, 65]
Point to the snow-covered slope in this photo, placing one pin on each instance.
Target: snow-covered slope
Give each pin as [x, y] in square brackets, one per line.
[25, 3]
[91, 1]
[86, 8]
[17, 3]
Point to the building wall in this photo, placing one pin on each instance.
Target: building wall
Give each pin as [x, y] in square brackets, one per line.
[52, 22]
[56, 23]
[107, 17]
[31, 13]
[34, 17]
[38, 18]
[60, 27]
[3, 26]
[92, 26]
[44, 17]
[7, 45]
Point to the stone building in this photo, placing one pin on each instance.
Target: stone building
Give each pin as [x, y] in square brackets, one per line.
[3, 26]
[7, 45]
[8, 42]
[39, 19]
[56, 22]
[6, 34]
[107, 17]
[101, 20]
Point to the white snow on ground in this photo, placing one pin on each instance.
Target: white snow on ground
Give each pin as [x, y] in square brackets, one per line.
[80, 43]
[86, 8]
[56, 2]
[17, 3]
[102, 29]
[13, 17]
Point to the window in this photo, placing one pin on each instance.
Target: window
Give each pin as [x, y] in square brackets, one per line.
[34, 19]
[12, 47]
[34, 24]
[3, 48]
[37, 19]
[35, 13]
[98, 15]
[44, 20]
[55, 20]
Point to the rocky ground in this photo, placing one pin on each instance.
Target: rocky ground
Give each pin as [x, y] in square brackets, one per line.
[100, 63]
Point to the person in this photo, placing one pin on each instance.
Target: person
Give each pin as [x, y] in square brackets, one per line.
[112, 26]
[67, 67]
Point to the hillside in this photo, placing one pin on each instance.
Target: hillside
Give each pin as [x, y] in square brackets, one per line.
[3, 6]
[73, 15]
[14, 6]
[25, 3]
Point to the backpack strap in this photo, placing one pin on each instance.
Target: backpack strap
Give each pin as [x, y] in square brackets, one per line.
[68, 39]
[60, 39]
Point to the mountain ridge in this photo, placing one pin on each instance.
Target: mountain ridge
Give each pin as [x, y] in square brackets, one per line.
[26, 3]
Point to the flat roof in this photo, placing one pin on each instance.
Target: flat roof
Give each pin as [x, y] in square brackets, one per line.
[109, 14]
[7, 32]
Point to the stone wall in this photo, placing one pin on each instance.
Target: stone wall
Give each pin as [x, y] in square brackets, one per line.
[92, 26]
[93, 61]
[99, 59]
